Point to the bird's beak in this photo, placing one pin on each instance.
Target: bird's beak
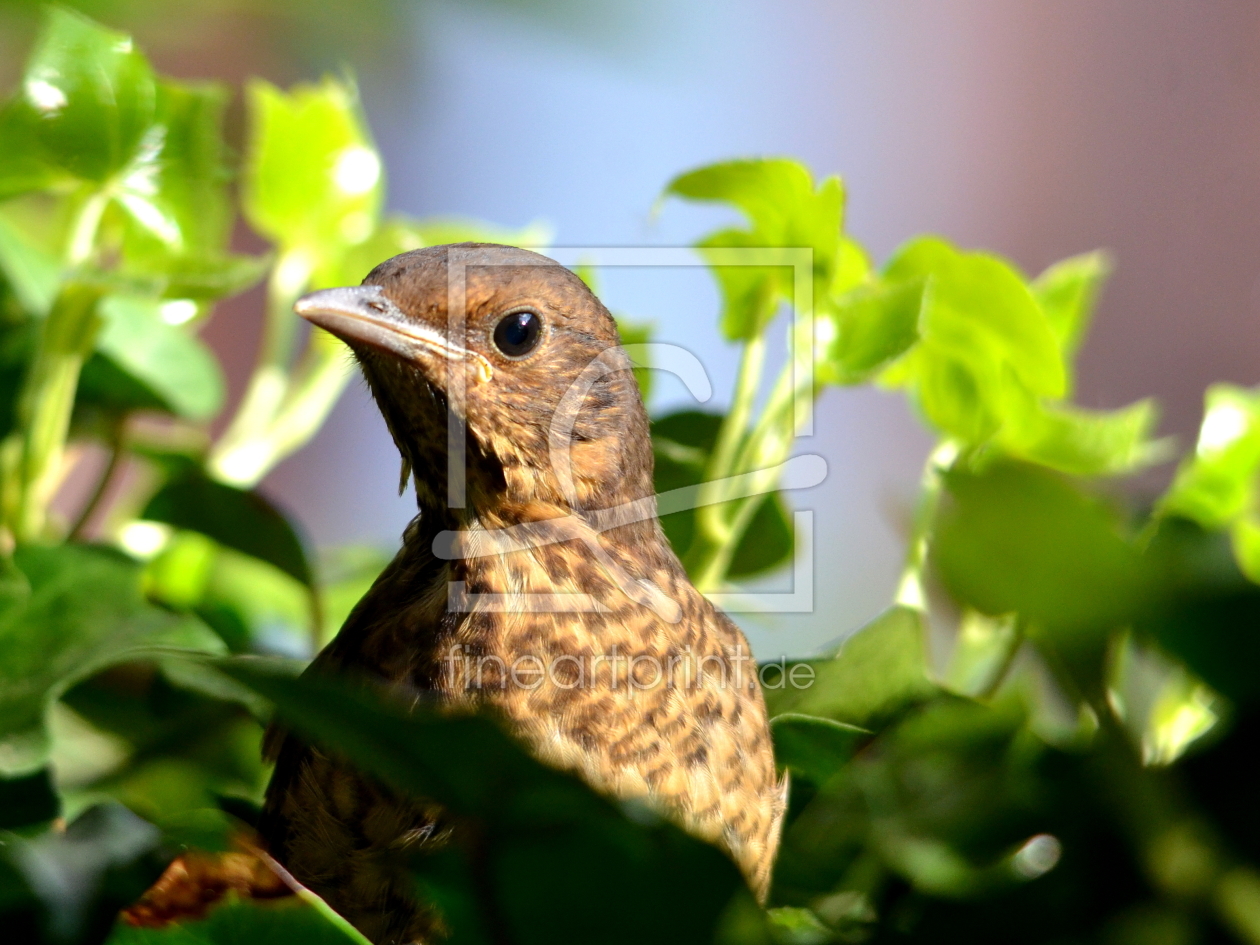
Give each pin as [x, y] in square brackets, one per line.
[364, 315]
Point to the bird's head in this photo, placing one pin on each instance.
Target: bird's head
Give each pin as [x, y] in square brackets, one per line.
[510, 347]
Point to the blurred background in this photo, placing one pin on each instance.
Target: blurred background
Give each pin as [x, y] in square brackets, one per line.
[1034, 130]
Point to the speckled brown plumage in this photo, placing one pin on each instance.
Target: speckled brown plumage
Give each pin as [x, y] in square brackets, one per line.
[636, 682]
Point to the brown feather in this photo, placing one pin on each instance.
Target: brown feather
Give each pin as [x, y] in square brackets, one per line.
[652, 693]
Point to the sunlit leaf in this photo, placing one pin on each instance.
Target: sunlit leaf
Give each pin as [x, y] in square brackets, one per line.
[23, 168]
[988, 352]
[778, 197]
[866, 329]
[750, 291]
[1068, 291]
[1087, 442]
[853, 266]
[90, 96]
[1217, 482]
[1163, 706]
[312, 178]
[176, 197]
[785, 211]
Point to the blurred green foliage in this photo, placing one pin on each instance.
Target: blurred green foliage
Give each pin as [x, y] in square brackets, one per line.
[1047, 737]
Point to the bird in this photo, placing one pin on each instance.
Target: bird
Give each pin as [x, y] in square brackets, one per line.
[535, 581]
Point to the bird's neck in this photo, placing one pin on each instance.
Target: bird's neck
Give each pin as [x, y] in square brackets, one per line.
[542, 545]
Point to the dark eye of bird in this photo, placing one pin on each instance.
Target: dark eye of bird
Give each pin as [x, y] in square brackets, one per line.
[517, 334]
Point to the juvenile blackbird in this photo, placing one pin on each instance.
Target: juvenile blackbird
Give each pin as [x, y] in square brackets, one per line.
[541, 584]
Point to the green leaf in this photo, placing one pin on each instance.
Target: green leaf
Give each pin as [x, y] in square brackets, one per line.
[1208, 611]
[868, 327]
[682, 443]
[313, 178]
[1217, 483]
[1245, 540]
[167, 363]
[778, 197]
[22, 166]
[28, 799]
[236, 518]
[88, 97]
[879, 671]
[750, 293]
[1068, 291]
[33, 273]
[167, 744]
[1017, 539]
[193, 175]
[987, 353]
[785, 211]
[176, 196]
[81, 611]
[81, 876]
[540, 851]
[812, 747]
[1087, 442]
[987, 292]
[853, 267]
[256, 607]
[105, 393]
[767, 543]
[981, 655]
[212, 276]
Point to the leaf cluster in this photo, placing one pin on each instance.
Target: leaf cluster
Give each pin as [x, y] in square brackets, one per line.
[1047, 737]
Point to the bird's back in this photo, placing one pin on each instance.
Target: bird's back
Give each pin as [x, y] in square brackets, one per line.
[663, 708]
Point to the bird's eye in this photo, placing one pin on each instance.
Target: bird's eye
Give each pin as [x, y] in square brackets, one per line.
[518, 334]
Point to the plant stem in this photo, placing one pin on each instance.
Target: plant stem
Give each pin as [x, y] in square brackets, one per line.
[244, 453]
[761, 452]
[84, 229]
[117, 453]
[910, 591]
[713, 531]
[735, 423]
[317, 384]
[33, 454]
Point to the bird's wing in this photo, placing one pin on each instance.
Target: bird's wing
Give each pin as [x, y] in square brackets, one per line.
[386, 609]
